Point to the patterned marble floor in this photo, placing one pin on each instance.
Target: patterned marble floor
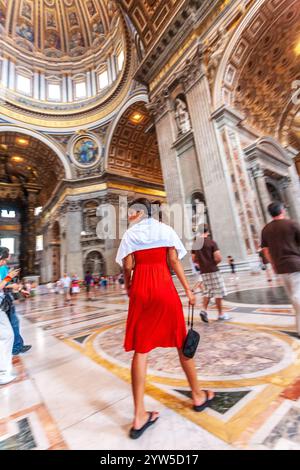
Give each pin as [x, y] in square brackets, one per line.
[73, 387]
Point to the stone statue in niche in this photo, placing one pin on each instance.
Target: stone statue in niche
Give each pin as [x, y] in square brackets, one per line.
[182, 116]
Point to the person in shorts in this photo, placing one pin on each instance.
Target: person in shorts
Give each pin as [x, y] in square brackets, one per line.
[207, 256]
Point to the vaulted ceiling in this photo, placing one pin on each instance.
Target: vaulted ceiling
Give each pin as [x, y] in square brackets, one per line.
[150, 17]
[266, 67]
[67, 29]
[30, 161]
[134, 148]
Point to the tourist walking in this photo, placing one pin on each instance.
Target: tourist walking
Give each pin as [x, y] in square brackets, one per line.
[18, 346]
[65, 283]
[207, 256]
[281, 247]
[89, 282]
[231, 264]
[6, 330]
[155, 316]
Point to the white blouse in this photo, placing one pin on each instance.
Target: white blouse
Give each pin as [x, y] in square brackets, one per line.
[147, 234]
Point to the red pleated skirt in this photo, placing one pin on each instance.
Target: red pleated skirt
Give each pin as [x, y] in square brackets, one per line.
[155, 316]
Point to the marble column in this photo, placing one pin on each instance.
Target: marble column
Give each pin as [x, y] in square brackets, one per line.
[167, 133]
[291, 189]
[36, 85]
[294, 195]
[12, 75]
[263, 194]
[29, 233]
[73, 227]
[226, 121]
[217, 181]
[42, 86]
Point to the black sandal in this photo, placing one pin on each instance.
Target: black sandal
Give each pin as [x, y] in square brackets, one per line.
[136, 433]
[204, 316]
[204, 405]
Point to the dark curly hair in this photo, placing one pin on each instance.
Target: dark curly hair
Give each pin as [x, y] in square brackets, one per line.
[4, 253]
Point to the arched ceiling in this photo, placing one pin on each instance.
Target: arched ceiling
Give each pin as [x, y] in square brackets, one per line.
[30, 161]
[150, 17]
[265, 65]
[67, 29]
[134, 149]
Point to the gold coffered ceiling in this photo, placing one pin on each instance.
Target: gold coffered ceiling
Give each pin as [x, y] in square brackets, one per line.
[134, 148]
[31, 161]
[150, 17]
[68, 29]
[266, 67]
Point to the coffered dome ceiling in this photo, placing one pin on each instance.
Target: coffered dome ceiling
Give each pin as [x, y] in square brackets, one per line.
[68, 29]
[264, 71]
[63, 57]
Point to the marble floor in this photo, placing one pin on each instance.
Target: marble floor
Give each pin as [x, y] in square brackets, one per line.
[73, 387]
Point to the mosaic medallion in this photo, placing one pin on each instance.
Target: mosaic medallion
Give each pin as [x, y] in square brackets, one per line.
[225, 351]
[86, 150]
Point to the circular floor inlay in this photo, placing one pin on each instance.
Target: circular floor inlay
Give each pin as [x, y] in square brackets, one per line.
[225, 350]
[267, 296]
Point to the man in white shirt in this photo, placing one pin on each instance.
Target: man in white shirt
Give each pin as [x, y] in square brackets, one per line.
[65, 283]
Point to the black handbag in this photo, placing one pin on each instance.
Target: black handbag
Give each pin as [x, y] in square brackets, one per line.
[192, 339]
[6, 304]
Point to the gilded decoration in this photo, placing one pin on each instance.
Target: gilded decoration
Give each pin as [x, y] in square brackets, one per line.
[150, 17]
[261, 70]
[84, 37]
[60, 28]
[85, 149]
[30, 161]
[134, 149]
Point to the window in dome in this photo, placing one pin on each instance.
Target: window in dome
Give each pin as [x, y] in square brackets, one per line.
[121, 60]
[103, 80]
[39, 243]
[54, 92]
[24, 84]
[8, 243]
[8, 214]
[80, 90]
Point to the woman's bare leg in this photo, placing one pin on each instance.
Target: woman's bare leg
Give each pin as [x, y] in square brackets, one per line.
[189, 368]
[138, 381]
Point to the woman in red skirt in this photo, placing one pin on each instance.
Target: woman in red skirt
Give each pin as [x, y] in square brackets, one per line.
[155, 317]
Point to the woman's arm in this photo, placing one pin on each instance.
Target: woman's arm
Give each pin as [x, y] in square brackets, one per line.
[128, 265]
[178, 269]
[13, 273]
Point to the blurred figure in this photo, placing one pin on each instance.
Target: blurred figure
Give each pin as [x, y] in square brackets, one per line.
[89, 283]
[18, 346]
[65, 283]
[207, 258]
[231, 264]
[6, 330]
[75, 284]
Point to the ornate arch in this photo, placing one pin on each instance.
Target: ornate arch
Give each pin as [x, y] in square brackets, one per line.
[54, 146]
[260, 64]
